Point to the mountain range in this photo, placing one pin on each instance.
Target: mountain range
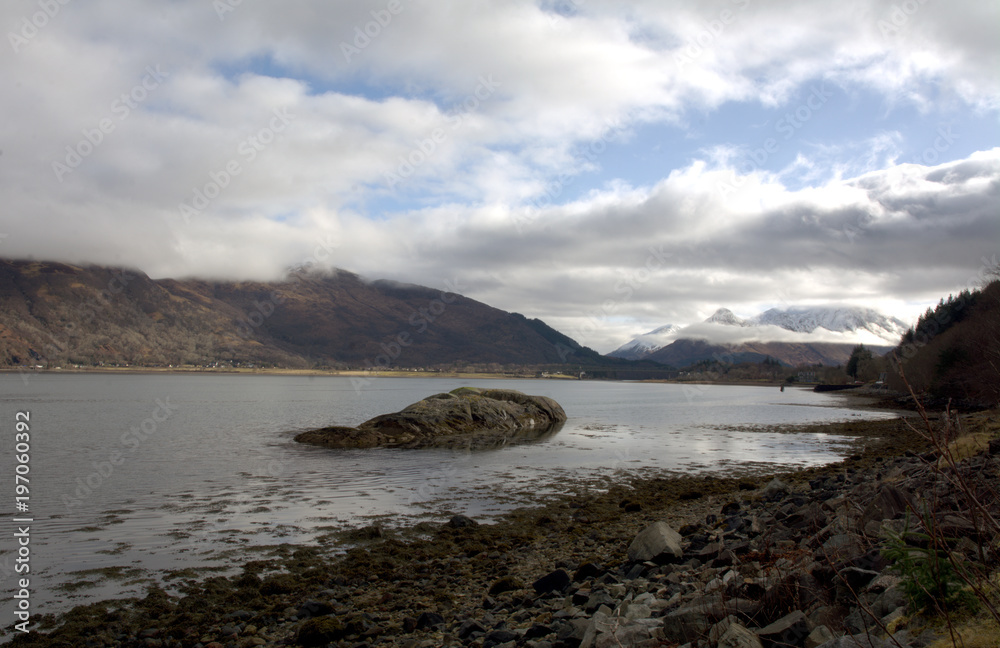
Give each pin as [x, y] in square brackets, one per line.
[855, 320]
[54, 313]
[796, 335]
[647, 343]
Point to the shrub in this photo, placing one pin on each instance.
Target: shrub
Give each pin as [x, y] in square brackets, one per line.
[930, 577]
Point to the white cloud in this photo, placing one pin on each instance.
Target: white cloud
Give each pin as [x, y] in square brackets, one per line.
[871, 240]
[555, 83]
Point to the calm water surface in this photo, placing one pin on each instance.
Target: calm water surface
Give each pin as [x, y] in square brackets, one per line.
[135, 474]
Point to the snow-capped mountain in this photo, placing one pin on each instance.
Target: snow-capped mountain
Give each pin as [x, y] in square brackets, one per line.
[647, 342]
[836, 325]
[726, 317]
[839, 319]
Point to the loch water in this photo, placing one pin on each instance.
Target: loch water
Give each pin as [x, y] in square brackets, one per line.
[134, 474]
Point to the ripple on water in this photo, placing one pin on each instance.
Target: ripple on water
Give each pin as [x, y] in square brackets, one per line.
[183, 503]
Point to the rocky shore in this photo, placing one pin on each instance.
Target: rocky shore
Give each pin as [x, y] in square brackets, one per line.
[795, 559]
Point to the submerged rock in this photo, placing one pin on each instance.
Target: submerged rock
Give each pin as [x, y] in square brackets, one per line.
[465, 417]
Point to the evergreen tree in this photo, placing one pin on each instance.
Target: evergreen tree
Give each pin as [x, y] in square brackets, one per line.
[859, 354]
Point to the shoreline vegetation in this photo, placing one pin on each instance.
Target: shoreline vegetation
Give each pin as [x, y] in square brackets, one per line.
[278, 371]
[370, 374]
[792, 559]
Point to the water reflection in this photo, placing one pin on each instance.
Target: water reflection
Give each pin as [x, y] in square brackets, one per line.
[222, 474]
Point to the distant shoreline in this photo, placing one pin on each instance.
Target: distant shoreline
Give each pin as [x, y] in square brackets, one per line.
[277, 372]
[372, 375]
[360, 373]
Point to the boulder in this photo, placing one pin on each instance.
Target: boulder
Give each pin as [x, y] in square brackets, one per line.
[466, 417]
[857, 578]
[632, 635]
[429, 620]
[469, 628]
[321, 631]
[657, 542]
[609, 631]
[889, 503]
[461, 522]
[716, 631]
[313, 609]
[856, 641]
[598, 599]
[505, 584]
[775, 490]
[552, 582]
[497, 637]
[585, 571]
[790, 630]
[689, 623]
[572, 631]
[738, 636]
[819, 636]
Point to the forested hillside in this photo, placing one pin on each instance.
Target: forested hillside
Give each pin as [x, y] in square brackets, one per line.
[954, 350]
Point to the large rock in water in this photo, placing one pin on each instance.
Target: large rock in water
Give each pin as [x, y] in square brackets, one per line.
[465, 417]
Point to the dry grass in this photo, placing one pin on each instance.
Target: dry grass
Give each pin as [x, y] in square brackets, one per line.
[965, 446]
[976, 433]
[981, 632]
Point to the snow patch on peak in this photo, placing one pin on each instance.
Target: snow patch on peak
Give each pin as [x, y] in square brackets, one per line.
[647, 342]
[836, 319]
[664, 330]
[726, 317]
[800, 324]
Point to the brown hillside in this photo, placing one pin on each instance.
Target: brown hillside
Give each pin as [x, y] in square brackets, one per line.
[54, 313]
[685, 352]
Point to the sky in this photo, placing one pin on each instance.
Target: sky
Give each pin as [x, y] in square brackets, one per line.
[606, 166]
